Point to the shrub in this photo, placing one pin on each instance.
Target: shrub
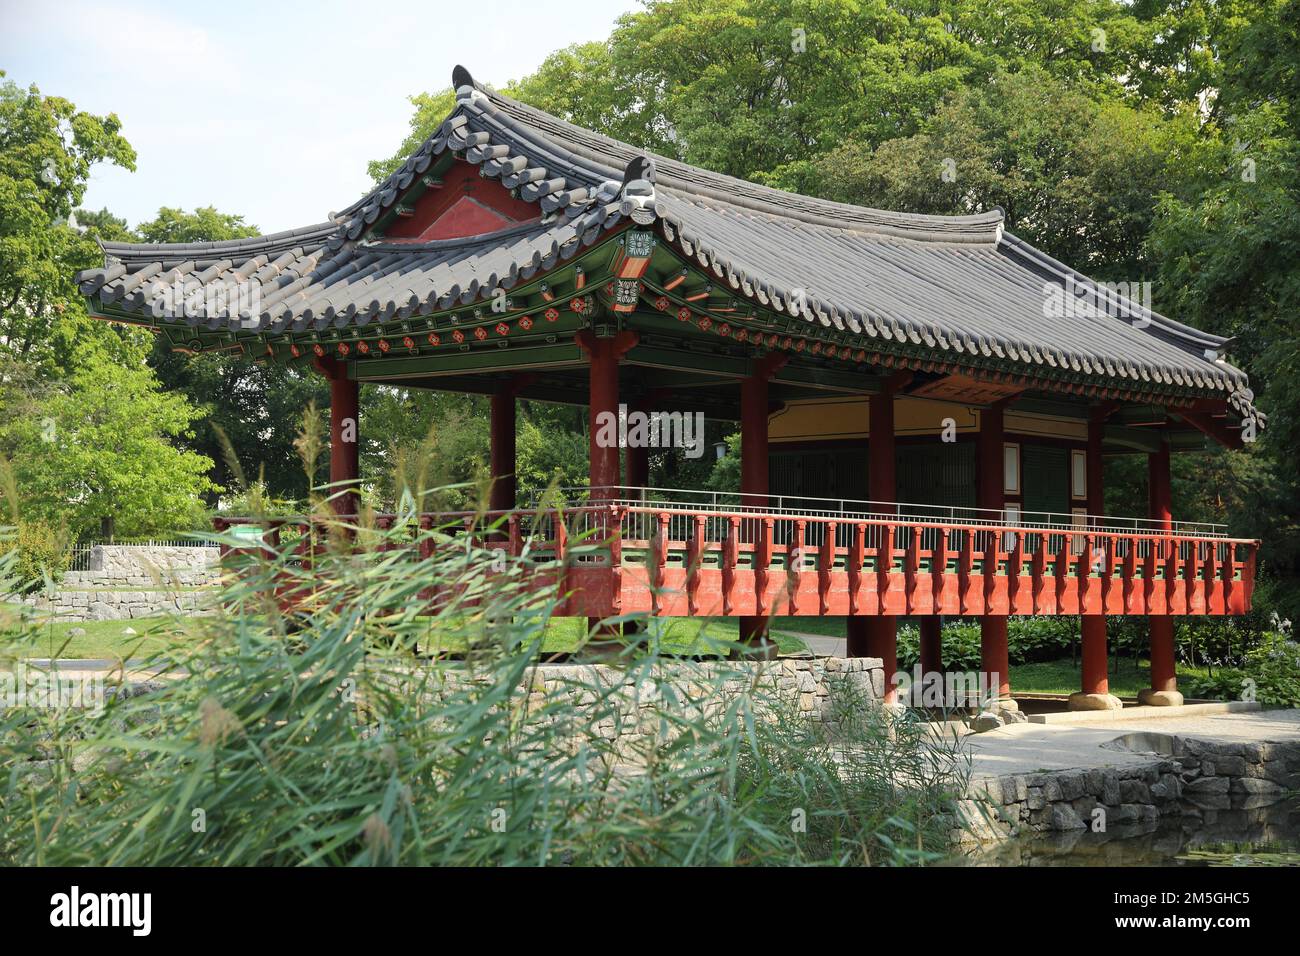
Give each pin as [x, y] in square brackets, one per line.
[1270, 674]
[257, 500]
[1028, 640]
[1214, 641]
[41, 555]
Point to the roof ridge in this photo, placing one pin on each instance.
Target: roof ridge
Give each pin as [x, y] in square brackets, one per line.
[1193, 339]
[244, 244]
[682, 177]
[532, 226]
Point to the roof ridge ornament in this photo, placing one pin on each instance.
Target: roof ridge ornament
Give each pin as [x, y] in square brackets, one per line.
[638, 191]
[1218, 353]
[466, 87]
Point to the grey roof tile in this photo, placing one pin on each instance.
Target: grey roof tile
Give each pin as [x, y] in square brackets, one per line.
[957, 284]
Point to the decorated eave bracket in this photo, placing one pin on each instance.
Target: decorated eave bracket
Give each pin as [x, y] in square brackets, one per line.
[631, 275]
[674, 284]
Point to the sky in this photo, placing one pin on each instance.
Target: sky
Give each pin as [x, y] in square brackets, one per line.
[269, 109]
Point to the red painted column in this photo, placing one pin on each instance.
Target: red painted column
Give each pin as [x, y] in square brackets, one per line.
[603, 401]
[502, 455]
[603, 356]
[995, 662]
[1095, 674]
[345, 460]
[753, 440]
[878, 636]
[1160, 509]
[931, 644]
[754, 471]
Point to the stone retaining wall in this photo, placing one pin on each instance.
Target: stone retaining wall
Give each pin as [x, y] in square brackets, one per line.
[808, 685]
[129, 565]
[126, 581]
[120, 605]
[807, 681]
[1184, 777]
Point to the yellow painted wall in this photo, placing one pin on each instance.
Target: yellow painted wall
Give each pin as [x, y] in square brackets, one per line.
[831, 419]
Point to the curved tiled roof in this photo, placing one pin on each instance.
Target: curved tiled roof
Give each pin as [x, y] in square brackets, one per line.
[959, 284]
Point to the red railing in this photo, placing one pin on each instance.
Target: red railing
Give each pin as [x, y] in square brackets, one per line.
[679, 560]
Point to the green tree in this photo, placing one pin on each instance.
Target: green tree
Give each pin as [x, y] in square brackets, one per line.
[423, 440]
[250, 406]
[204, 224]
[103, 225]
[47, 148]
[747, 87]
[1230, 262]
[1076, 177]
[101, 453]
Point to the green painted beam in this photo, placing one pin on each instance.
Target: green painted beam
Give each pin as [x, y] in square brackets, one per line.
[1139, 413]
[1134, 439]
[1056, 408]
[712, 363]
[573, 392]
[454, 362]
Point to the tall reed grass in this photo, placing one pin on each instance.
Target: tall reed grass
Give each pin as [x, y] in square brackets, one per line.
[324, 737]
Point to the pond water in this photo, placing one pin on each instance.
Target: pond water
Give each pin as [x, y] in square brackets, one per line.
[1242, 833]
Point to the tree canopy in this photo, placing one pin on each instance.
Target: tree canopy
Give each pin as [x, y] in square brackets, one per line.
[101, 452]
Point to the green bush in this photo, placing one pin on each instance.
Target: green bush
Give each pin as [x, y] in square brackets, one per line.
[256, 500]
[1029, 640]
[1270, 674]
[1201, 640]
[41, 555]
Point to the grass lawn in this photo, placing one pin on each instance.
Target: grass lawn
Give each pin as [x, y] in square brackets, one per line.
[823, 626]
[105, 639]
[683, 635]
[1062, 677]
